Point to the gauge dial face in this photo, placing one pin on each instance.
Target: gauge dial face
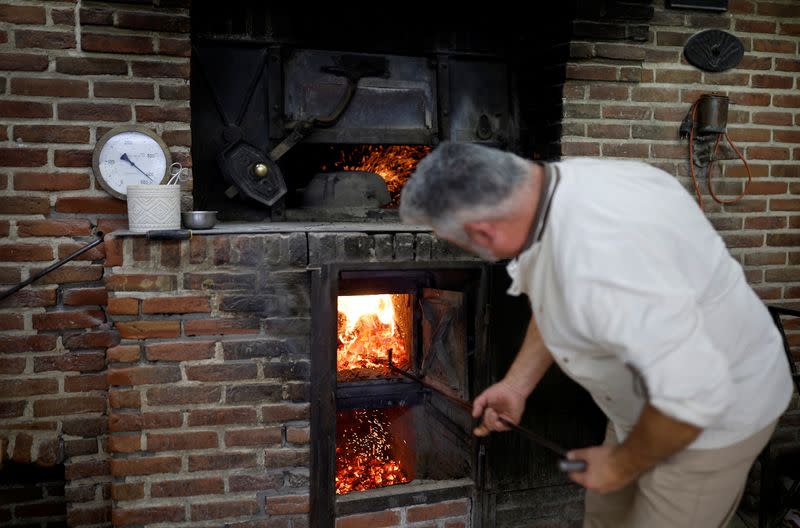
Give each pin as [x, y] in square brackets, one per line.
[131, 158]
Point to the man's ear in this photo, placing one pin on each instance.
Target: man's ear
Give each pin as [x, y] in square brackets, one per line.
[481, 233]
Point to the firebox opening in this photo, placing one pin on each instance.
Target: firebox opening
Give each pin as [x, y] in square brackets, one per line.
[369, 329]
[374, 448]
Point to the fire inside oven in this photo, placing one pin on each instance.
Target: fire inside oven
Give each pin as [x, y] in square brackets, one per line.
[389, 434]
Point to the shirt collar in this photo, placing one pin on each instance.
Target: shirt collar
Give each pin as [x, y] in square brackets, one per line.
[550, 178]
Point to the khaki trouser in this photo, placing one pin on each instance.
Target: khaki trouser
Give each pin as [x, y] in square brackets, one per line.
[695, 488]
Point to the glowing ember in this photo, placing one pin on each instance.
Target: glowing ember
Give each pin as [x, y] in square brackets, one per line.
[364, 458]
[367, 332]
[393, 163]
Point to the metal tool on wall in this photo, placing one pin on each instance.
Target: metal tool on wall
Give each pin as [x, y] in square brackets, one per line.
[53, 267]
[564, 464]
[704, 126]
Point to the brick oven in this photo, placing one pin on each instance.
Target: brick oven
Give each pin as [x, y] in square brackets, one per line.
[241, 378]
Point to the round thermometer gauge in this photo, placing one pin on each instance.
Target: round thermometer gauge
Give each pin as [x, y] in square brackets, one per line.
[130, 155]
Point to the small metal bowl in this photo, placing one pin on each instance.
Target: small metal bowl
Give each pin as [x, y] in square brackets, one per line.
[199, 219]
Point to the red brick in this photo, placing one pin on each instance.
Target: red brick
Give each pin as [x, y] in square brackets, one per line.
[85, 296]
[162, 114]
[608, 131]
[54, 134]
[145, 375]
[743, 241]
[25, 252]
[626, 112]
[86, 427]
[750, 62]
[755, 26]
[789, 10]
[772, 81]
[220, 326]
[767, 153]
[175, 46]
[116, 43]
[23, 157]
[767, 187]
[750, 99]
[11, 322]
[785, 205]
[25, 14]
[235, 415]
[786, 136]
[179, 138]
[49, 87]
[591, 72]
[127, 491]
[148, 329]
[63, 406]
[73, 158]
[625, 150]
[785, 171]
[25, 109]
[181, 441]
[363, 520]
[109, 225]
[188, 488]
[772, 118]
[64, 17]
[44, 39]
[86, 383]
[96, 17]
[753, 135]
[783, 240]
[124, 399]
[23, 62]
[141, 283]
[12, 365]
[123, 306]
[145, 466]
[282, 457]
[225, 372]
[147, 515]
[153, 22]
[81, 204]
[168, 70]
[129, 90]
[94, 112]
[298, 435]
[787, 65]
[729, 78]
[264, 436]
[289, 504]
[169, 305]
[30, 299]
[23, 204]
[173, 92]
[774, 46]
[286, 412]
[91, 66]
[161, 420]
[71, 273]
[44, 181]
[17, 388]
[437, 511]
[184, 395]
[221, 461]
[678, 76]
[91, 340]
[221, 510]
[12, 409]
[260, 482]
[70, 362]
[124, 443]
[180, 351]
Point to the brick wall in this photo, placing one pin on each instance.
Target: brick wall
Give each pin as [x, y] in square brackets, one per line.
[628, 91]
[209, 385]
[70, 71]
[449, 514]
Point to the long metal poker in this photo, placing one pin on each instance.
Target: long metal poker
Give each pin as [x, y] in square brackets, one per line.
[563, 464]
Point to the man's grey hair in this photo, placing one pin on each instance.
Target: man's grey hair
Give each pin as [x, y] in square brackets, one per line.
[459, 183]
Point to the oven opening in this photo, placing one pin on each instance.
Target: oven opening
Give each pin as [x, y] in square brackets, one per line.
[374, 448]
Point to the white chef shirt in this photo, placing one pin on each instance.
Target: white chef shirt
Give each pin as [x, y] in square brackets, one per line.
[638, 299]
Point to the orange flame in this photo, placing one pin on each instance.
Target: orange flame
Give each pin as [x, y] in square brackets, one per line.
[367, 332]
[393, 163]
[364, 454]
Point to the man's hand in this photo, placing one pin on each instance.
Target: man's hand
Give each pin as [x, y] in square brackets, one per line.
[602, 474]
[502, 398]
